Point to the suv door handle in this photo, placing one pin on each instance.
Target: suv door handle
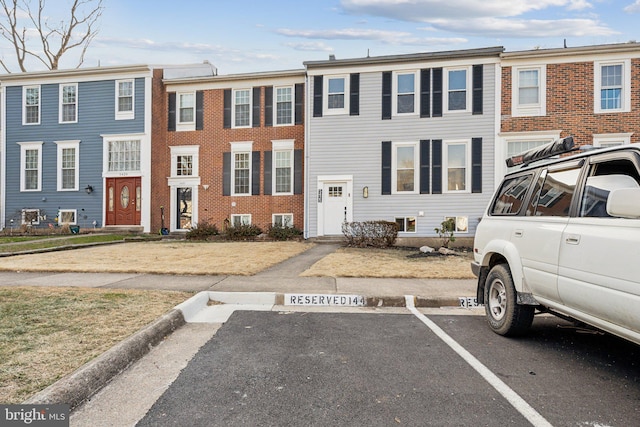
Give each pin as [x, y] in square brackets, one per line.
[573, 239]
[519, 233]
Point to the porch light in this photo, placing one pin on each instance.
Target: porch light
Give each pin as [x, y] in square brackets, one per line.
[89, 189]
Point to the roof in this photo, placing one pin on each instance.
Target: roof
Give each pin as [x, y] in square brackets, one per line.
[74, 73]
[631, 46]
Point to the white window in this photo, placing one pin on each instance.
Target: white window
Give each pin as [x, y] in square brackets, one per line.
[405, 100]
[335, 97]
[405, 168]
[124, 99]
[611, 139]
[284, 105]
[30, 216]
[239, 220]
[68, 165]
[282, 167]
[242, 108]
[458, 96]
[67, 216]
[241, 168]
[612, 86]
[282, 220]
[123, 155]
[31, 105]
[186, 108]
[30, 166]
[406, 224]
[461, 223]
[529, 97]
[184, 161]
[456, 166]
[519, 142]
[68, 110]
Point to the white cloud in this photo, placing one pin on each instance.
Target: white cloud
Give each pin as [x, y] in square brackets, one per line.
[310, 47]
[387, 37]
[633, 7]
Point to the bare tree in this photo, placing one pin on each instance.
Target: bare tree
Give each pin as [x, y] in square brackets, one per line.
[35, 34]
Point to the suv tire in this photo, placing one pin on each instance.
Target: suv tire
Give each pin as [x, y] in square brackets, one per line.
[504, 315]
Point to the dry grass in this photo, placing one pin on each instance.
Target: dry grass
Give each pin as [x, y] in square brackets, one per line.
[46, 333]
[162, 257]
[354, 262]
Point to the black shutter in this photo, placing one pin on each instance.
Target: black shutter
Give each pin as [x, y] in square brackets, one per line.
[256, 107]
[436, 166]
[255, 173]
[268, 106]
[386, 167]
[425, 164]
[299, 100]
[437, 93]
[199, 110]
[425, 92]
[354, 97]
[227, 109]
[476, 165]
[267, 173]
[172, 112]
[226, 174]
[477, 89]
[317, 96]
[297, 171]
[386, 96]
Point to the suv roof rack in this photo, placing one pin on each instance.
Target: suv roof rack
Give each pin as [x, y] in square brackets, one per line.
[559, 146]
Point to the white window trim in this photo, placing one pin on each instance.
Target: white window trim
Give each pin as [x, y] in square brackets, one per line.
[460, 221]
[24, 146]
[126, 115]
[275, 105]
[60, 104]
[325, 95]
[281, 145]
[106, 139]
[38, 216]
[626, 86]
[445, 90]
[190, 125]
[405, 218]
[467, 167]
[241, 147]
[75, 216]
[394, 167]
[607, 138]
[502, 149]
[240, 216]
[539, 109]
[24, 104]
[62, 145]
[233, 108]
[273, 218]
[394, 93]
[185, 150]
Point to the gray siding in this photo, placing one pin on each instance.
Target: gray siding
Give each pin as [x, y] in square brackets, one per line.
[96, 117]
[351, 145]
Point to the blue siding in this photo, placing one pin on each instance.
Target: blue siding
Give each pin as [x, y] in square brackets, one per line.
[96, 117]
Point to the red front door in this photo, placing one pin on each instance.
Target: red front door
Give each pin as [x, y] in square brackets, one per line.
[123, 201]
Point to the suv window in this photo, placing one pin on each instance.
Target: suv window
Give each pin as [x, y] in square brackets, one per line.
[603, 178]
[510, 197]
[556, 193]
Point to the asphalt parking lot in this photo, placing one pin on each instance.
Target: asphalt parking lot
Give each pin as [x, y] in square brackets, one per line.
[385, 367]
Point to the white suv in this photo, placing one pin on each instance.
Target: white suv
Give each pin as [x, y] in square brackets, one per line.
[563, 236]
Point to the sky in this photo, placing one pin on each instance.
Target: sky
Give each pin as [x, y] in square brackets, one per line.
[245, 36]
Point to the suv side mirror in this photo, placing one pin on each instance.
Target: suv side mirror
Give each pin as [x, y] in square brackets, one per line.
[624, 203]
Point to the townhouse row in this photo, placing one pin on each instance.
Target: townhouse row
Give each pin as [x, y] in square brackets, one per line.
[414, 138]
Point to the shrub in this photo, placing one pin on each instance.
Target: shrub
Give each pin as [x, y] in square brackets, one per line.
[379, 234]
[446, 231]
[277, 232]
[243, 232]
[202, 231]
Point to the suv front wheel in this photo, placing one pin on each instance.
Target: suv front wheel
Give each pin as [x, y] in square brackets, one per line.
[505, 316]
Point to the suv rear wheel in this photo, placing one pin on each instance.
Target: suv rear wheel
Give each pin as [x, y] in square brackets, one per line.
[505, 316]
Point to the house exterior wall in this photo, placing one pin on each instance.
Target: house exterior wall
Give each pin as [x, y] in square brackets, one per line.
[96, 119]
[212, 143]
[348, 147]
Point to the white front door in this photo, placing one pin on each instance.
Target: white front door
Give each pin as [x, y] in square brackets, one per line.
[334, 207]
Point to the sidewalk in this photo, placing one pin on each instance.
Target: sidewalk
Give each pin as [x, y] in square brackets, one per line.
[262, 291]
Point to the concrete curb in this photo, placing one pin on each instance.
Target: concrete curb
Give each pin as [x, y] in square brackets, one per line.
[80, 385]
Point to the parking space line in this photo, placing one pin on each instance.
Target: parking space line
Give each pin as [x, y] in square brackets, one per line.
[512, 397]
